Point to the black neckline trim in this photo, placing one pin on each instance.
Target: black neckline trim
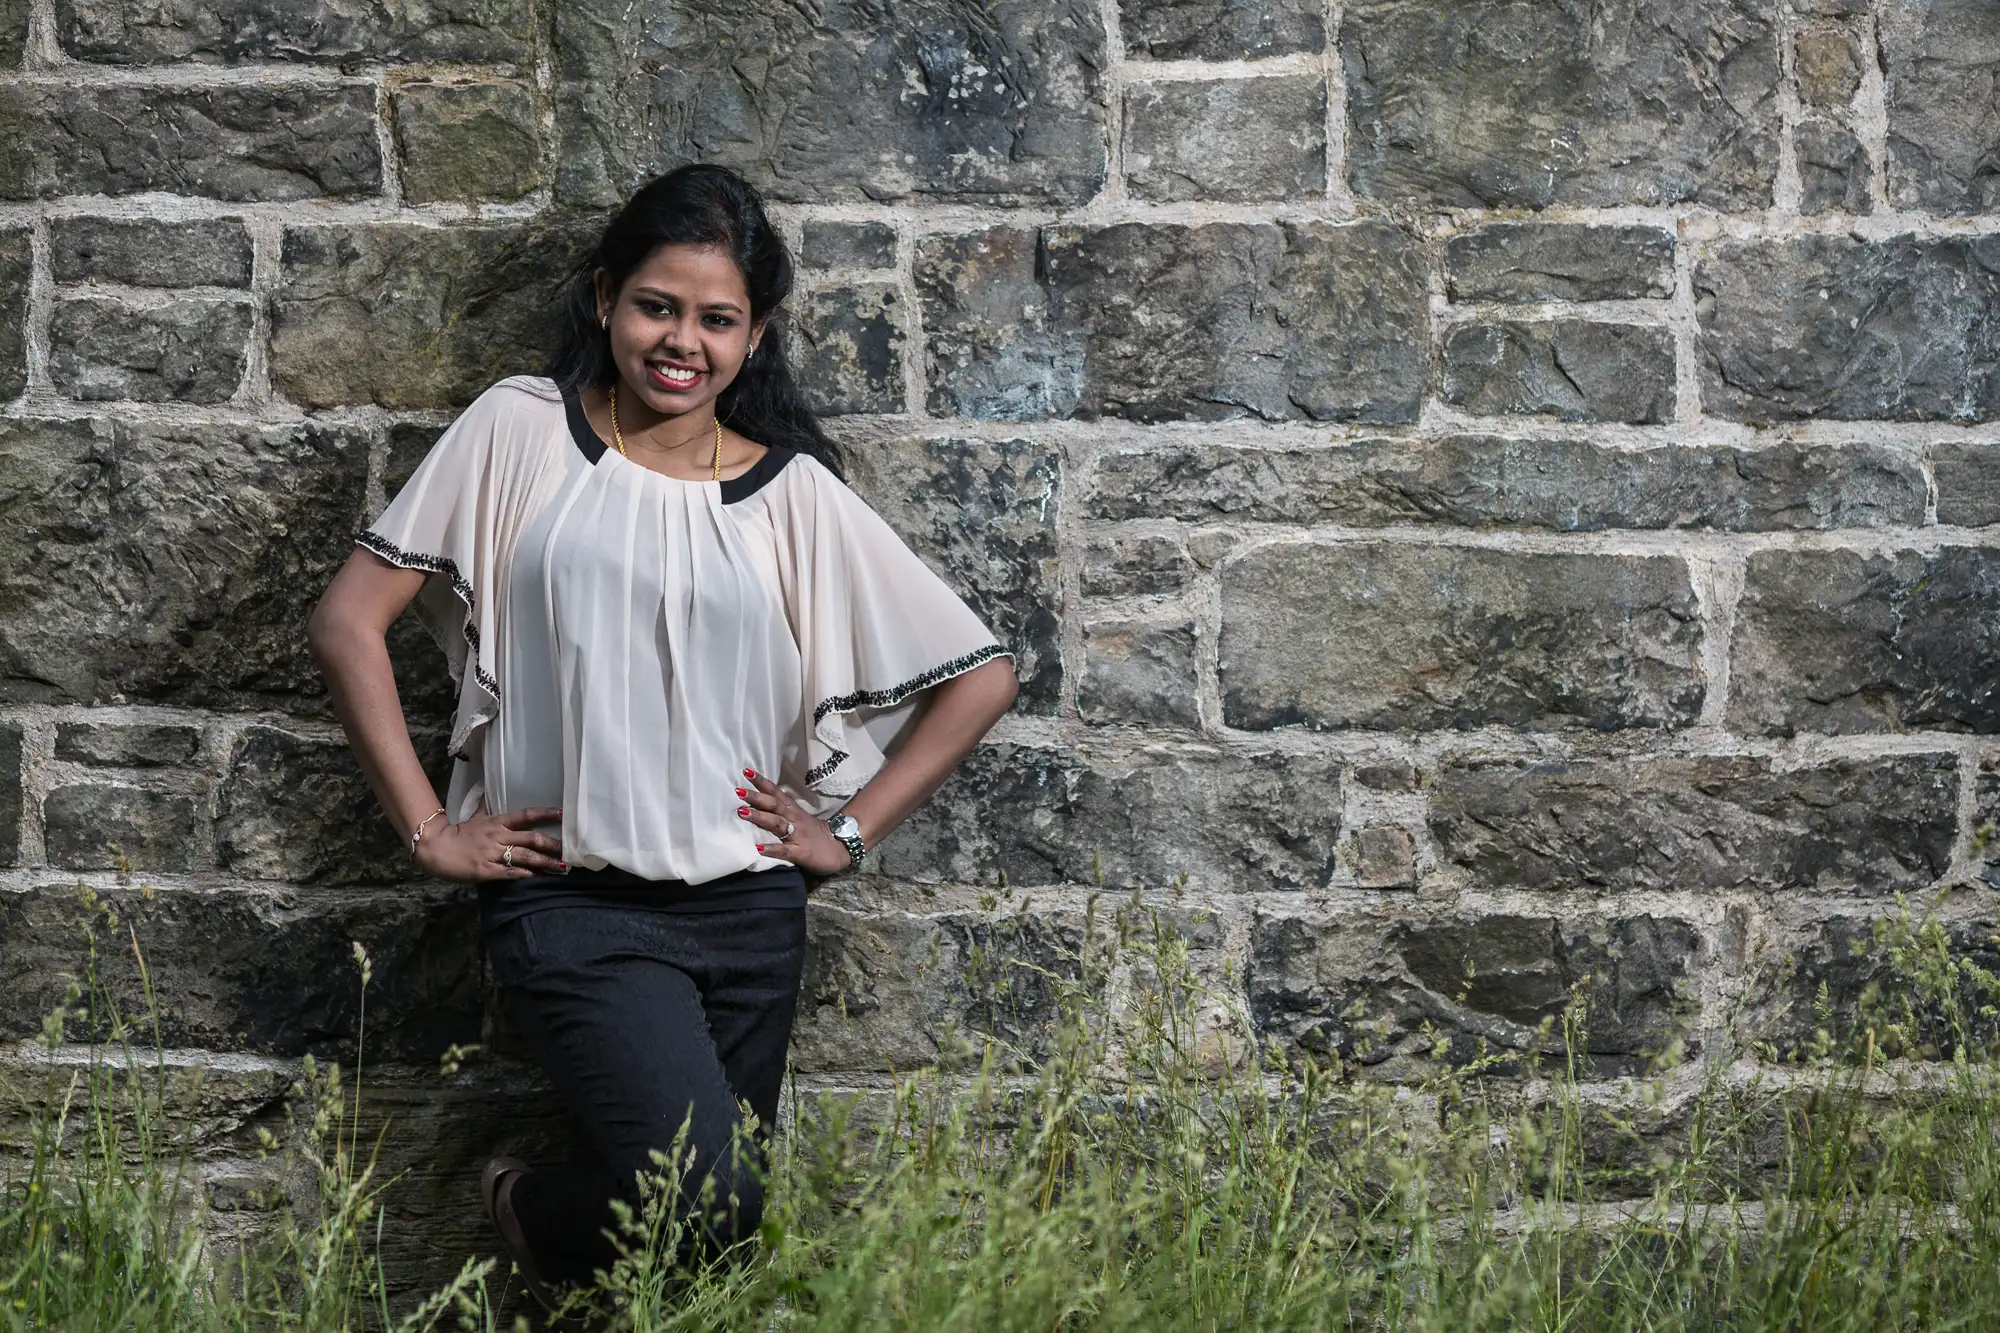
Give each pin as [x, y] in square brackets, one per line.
[742, 487]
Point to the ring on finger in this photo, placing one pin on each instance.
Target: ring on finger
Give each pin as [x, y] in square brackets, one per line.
[507, 857]
[789, 826]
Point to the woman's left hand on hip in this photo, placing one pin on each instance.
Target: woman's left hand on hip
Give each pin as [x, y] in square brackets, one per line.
[789, 833]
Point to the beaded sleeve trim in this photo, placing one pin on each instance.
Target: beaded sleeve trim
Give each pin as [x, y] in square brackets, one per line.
[895, 694]
[437, 564]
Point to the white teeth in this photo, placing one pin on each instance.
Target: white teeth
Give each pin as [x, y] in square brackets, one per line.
[675, 374]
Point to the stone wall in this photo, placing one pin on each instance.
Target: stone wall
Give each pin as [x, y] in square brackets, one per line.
[1486, 495]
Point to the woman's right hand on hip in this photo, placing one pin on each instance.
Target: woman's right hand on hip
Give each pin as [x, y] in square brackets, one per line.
[484, 847]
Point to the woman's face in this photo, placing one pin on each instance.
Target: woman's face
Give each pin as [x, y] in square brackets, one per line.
[680, 326]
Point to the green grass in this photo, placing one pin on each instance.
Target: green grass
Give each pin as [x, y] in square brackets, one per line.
[1150, 1167]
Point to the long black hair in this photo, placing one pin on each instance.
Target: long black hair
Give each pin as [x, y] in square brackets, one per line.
[698, 204]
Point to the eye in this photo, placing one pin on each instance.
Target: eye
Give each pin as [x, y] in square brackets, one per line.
[652, 308]
[722, 321]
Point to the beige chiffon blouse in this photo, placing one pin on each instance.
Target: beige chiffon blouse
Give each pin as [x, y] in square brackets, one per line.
[626, 643]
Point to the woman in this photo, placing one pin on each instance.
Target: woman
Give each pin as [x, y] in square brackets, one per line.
[693, 669]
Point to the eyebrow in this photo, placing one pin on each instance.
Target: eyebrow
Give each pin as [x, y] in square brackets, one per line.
[712, 305]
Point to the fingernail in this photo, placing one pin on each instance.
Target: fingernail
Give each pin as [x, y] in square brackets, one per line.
[562, 865]
[749, 773]
[741, 792]
[760, 846]
[743, 810]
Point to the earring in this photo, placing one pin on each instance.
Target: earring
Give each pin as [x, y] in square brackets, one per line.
[604, 321]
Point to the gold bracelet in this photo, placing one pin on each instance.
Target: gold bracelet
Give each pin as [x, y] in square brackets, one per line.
[417, 835]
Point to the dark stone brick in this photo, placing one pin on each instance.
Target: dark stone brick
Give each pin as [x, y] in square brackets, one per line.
[232, 141]
[256, 521]
[1262, 821]
[1532, 103]
[1839, 641]
[1552, 261]
[983, 514]
[1986, 821]
[266, 972]
[1139, 671]
[298, 809]
[1393, 775]
[1486, 481]
[1391, 636]
[146, 252]
[92, 825]
[1700, 823]
[1968, 483]
[408, 443]
[11, 738]
[850, 100]
[848, 245]
[1827, 63]
[1833, 169]
[415, 317]
[1381, 858]
[128, 744]
[1902, 329]
[849, 349]
[1384, 991]
[13, 31]
[470, 141]
[1165, 322]
[1229, 139]
[16, 269]
[1574, 369]
[1939, 61]
[236, 31]
[1221, 29]
[190, 349]
[1139, 566]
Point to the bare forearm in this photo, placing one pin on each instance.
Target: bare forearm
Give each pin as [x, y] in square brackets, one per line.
[355, 663]
[960, 711]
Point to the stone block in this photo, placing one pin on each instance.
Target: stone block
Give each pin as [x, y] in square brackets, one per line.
[256, 520]
[1826, 60]
[1139, 671]
[1841, 641]
[16, 270]
[140, 32]
[845, 101]
[1221, 29]
[1235, 821]
[234, 141]
[1902, 329]
[1391, 636]
[1968, 483]
[1383, 991]
[147, 252]
[1834, 174]
[299, 809]
[415, 317]
[1503, 104]
[11, 741]
[983, 514]
[1488, 481]
[1985, 820]
[104, 826]
[190, 349]
[1387, 775]
[13, 31]
[467, 141]
[128, 744]
[1226, 139]
[1572, 369]
[1134, 566]
[249, 970]
[1939, 60]
[1168, 322]
[1552, 261]
[849, 348]
[848, 245]
[1703, 823]
[1381, 858]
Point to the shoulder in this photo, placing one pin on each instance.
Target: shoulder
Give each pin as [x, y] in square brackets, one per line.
[518, 393]
[521, 413]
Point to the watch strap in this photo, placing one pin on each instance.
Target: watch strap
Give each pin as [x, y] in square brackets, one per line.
[848, 831]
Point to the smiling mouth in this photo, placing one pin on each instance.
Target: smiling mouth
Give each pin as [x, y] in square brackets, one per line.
[672, 378]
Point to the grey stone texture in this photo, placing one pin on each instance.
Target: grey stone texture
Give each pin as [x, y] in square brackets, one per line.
[143, 252]
[191, 349]
[297, 809]
[848, 245]
[110, 826]
[846, 101]
[1903, 329]
[11, 736]
[1389, 636]
[1230, 139]
[1221, 29]
[1841, 641]
[1827, 59]
[1140, 672]
[1478, 481]
[467, 141]
[1503, 104]
[849, 348]
[234, 141]
[16, 271]
[128, 744]
[13, 32]
[1165, 322]
[140, 32]
[1546, 261]
[1939, 59]
[1834, 174]
[1134, 566]
[1968, 483]
[1571, 369]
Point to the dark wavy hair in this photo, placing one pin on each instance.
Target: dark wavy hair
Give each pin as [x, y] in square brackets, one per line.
[698, 204]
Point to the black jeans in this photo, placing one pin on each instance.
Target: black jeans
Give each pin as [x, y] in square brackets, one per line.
[644, 1020]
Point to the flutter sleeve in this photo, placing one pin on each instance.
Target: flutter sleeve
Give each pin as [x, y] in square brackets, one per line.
[875, 626]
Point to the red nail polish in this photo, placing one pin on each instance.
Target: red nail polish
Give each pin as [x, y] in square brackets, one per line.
[743, 810]
[760, 846]
[741, 792]
[749, 773]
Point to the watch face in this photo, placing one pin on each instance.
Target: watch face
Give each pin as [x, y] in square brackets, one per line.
[842, 826]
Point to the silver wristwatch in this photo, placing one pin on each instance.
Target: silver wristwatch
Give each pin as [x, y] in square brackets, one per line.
[845, 828]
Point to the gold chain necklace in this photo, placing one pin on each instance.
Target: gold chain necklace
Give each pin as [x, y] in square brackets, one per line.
[715, 470]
